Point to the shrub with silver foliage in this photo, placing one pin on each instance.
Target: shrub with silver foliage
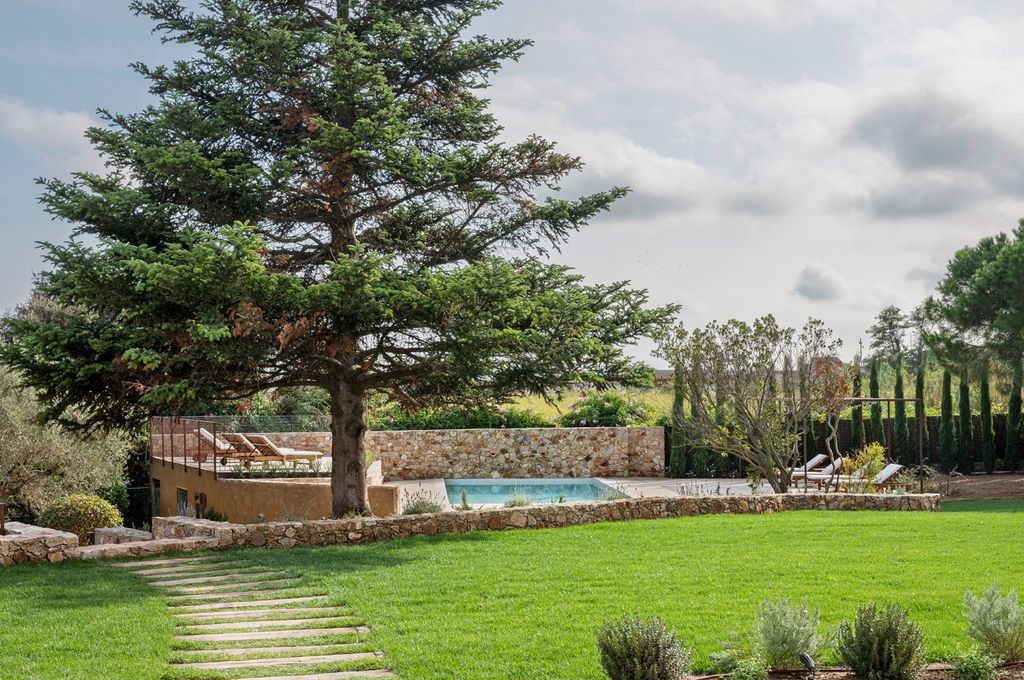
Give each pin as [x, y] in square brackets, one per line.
[635, 649]
[996, 621]
[881, 644]
[785, 631]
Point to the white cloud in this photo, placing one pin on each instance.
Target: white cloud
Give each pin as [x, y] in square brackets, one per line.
[57, 136]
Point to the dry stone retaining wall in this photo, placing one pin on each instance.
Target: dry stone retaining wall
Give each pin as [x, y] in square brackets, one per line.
[173, 534]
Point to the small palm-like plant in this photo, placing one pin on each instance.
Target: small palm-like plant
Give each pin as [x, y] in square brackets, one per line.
[881, 644]
[635, 649]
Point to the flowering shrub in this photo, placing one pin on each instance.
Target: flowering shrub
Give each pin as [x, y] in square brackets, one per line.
[79, 514]
[392, 417]
[607, 409]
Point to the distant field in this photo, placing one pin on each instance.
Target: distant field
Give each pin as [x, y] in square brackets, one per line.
[659, 400]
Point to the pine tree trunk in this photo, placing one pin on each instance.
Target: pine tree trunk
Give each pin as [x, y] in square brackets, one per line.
[1014, 443]
[947, 431]
[348, 450]
[965, 437]
[988, 438]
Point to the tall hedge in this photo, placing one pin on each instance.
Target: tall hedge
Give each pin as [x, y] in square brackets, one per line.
[877, 427]
[965, 439]
[988, 435]
[678, 458]
[900, 431]
[920, 412]
[947, 436]
[1014, 452]
[857, 438]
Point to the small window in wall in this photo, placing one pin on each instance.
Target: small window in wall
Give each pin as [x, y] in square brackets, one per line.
[200, 505]
[156, 498]
[183, 508]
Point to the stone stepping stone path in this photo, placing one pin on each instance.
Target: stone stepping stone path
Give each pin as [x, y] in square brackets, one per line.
[222, 607]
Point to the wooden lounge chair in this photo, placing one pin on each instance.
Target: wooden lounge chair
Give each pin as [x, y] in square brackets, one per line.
[810, 466]
[208, 438]
[881, 480]
[825, 473]
[242, 450]
[267, 448]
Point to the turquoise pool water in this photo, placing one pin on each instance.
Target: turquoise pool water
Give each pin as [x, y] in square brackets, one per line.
[497, 491]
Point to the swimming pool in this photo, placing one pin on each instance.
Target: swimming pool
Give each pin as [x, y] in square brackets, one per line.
[497, 491]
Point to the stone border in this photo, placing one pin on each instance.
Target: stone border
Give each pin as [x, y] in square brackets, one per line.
[173, 534]
[27, 543]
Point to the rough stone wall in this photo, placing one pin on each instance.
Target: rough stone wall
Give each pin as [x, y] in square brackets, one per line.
[365, 530]
[183, 534]
[27, 543]
[508, 453]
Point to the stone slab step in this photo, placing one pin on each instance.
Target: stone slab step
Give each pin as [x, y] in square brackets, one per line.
[244, 625]
[173, 560]
[221, 614]
[185, 569]
[243, 651]
[201, 595]
[212, 579]
[270, 634]
[226, 588]
[283, 661]
[246, 603]
[343, 675]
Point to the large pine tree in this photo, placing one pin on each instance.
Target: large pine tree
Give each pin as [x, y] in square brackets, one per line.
[319, 197]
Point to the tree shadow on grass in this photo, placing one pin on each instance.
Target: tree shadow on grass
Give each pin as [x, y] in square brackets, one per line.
[71, 585]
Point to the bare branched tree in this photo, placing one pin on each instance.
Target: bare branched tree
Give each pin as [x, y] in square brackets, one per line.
[753, 388]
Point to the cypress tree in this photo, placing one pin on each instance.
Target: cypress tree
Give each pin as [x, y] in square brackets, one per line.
[877, 427]
[965, 443]
[901, 433]
[947, 436]
[1014, 441]
[700, 457]
[921, 429]
[678, 459]
[857, 438]
[988, 436]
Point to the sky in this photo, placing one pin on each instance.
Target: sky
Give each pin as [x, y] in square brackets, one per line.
[805, 158]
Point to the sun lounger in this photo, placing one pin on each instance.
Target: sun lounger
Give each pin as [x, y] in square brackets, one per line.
[826, 472]
[268, 448]
[882, 479]
[810, 466]
[207, 437]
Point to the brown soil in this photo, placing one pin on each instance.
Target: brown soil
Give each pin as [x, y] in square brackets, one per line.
[933, 671]
[999, 485]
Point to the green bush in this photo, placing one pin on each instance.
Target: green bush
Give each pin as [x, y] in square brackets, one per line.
[80, 514]
[215, 515]
[975, 665]
[607, 409]
[784, 632]
[996, 621]
[750, 668]
[634, 649]
[881, 644]
[393, 417]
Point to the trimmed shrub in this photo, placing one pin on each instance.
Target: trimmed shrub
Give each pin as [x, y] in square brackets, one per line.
[393, 417]
[635, 649]
[975, 665]
[80, 514]
[785, 631]
[996, 622]
[750, 668]
[607, 409]
[881, 644]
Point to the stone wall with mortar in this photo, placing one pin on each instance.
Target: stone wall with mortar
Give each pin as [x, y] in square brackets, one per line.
[506, 453]
[183, 534]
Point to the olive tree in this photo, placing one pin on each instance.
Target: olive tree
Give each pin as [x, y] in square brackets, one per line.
[754, 387]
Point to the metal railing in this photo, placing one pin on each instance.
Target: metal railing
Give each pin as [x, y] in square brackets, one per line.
[184, 441]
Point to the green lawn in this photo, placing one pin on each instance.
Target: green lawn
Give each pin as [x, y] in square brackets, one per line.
[526, 604]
